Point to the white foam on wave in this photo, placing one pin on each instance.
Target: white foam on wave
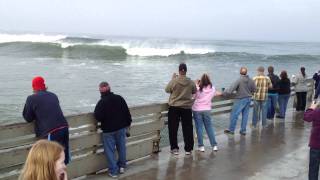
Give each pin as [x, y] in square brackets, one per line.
[147, 50]
[134, 47]
[5, 38]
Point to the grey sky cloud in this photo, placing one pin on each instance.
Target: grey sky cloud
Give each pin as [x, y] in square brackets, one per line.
[275, 20]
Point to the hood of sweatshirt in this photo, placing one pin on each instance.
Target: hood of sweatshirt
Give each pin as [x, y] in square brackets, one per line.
[183, 80]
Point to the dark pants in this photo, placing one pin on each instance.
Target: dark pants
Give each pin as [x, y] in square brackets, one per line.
[301, 101]
[314, 162]
[62, 137]
[175, 115]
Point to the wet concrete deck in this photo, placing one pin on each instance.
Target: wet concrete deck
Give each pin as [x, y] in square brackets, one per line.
[279, 151]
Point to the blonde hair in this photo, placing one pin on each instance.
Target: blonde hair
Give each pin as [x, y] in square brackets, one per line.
[40, 163]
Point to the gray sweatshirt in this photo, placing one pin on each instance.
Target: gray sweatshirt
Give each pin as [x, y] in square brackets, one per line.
[242, 88]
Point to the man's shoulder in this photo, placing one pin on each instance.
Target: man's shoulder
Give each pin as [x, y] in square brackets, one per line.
[115, 96]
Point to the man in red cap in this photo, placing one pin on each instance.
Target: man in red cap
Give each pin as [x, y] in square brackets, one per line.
[43, 108]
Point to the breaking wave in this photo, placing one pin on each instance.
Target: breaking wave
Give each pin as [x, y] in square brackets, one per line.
[61, 46]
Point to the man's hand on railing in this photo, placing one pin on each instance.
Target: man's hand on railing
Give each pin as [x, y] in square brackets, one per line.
[218, 93]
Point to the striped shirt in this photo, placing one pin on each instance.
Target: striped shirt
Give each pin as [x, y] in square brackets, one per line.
[262, 83]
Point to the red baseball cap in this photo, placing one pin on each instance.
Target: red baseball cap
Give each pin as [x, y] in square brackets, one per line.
[38, 83]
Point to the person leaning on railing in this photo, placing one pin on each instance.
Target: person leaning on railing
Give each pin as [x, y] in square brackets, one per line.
[113, 113]
[43, 107]
[313, 115]
[242, 89]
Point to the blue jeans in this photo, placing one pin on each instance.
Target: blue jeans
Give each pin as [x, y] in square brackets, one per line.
[204, 118]
[62, 137]
[283, 102]
[314, 162]
[259, 110]
[240, 106]
[272, 104]
[111, 142]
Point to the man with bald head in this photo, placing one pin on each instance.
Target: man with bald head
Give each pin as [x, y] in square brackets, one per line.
[242, 90]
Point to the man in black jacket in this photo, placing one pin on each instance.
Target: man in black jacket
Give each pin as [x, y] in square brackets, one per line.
[272, 93]
[113, 113]
[43, 108]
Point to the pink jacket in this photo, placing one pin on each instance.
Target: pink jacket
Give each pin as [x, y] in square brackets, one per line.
[203, 99]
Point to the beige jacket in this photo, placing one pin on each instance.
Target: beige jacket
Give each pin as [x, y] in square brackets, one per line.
[181, 90]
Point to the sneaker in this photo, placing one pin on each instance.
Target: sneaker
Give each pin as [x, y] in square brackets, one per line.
[175, 151]
[188, 153]
[121, 170]
[242, 133]
[112, 175]
[201, 149]
[227, 131]
[215, 148]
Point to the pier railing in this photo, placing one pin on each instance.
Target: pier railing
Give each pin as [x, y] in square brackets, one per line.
[85, 138]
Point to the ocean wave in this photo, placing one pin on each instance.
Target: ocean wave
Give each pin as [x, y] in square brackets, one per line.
[62, 46]
[55, 50]
[91, 45]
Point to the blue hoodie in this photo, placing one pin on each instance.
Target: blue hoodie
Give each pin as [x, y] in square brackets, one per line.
[44, 108]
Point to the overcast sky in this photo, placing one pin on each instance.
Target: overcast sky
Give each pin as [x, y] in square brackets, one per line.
[272, 20]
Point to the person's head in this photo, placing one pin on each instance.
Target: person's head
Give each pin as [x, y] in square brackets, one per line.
[38, 84]
[283, 75]
[45, 161]
[104, 87]
[204, 81]
[270, 70]
[182, 69]
[243, 71]
[260, 70]
[303, 71]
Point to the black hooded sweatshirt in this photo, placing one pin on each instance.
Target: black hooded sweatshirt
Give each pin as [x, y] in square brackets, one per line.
[113, 112]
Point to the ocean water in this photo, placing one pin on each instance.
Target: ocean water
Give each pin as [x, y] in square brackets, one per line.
[137, 68]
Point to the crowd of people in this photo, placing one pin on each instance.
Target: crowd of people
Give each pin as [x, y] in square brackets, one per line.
[189, 101]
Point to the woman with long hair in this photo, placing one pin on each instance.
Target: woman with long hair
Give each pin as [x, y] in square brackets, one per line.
[301, 88]
[284, 94]
[45, 161]
[202, 111]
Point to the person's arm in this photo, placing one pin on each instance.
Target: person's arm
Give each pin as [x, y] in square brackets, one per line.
[231, 89]
[127, 111]
[317, 92]
[218, 93]
[98, 111]
[269, 83]
[294, 80]
[194, 88]
[253, 87]
[28, 113]
[168, 88]
[315, 76]
[312, 113]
